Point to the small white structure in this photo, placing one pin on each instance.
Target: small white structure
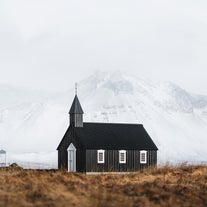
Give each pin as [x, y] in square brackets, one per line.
[2, 157]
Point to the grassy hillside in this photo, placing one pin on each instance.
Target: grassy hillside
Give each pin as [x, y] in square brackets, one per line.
[165, 186]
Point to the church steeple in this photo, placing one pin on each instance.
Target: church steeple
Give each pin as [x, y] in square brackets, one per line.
[76, 112]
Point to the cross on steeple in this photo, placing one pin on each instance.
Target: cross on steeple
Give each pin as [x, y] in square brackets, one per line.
[76, 88]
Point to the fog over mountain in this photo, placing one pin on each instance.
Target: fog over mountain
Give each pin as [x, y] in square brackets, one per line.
[47, 44]
[32, 123]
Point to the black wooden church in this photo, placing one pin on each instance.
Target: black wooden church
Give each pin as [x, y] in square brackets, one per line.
[104, 147]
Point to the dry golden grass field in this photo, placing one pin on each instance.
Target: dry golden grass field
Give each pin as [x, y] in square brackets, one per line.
[182, 186]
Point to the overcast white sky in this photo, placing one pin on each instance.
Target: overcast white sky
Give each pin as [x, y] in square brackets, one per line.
[50, 44]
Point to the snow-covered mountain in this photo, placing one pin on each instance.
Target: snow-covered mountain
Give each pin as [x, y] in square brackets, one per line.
[33, 123]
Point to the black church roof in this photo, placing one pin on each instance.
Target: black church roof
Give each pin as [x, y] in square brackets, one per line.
[76, 107]
[114, 136]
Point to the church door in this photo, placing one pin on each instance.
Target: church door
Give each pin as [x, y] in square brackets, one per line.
[71, 158]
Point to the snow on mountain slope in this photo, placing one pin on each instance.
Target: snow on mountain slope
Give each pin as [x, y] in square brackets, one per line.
[31, 128]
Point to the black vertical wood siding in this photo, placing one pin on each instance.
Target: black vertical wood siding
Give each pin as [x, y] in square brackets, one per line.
[86, 159]
[112, 161]
[63, 153]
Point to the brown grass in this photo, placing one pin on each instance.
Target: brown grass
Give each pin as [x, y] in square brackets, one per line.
[185, 185]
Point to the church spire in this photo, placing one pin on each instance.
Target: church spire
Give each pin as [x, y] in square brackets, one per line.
[76, 111]
[76, 107]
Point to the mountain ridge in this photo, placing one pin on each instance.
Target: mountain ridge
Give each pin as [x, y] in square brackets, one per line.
[175, 119]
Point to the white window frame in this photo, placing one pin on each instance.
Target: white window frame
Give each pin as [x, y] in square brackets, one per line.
[99, 152]
[124, 153]
[143, 153]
